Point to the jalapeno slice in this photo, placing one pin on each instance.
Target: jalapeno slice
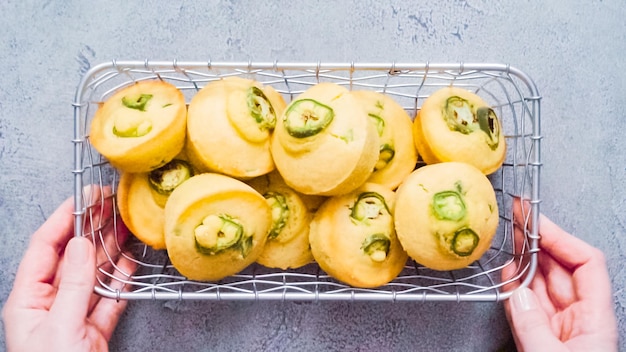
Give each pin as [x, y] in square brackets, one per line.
[461, 116]
[133, 124]
[379, 123]
[307, 117]
[369, 205]
[488, 123]
[136, 102]
[166, 178]
[376, 246]
[217, 233]
[386, 154]
[458, 114]
[464, 242]
[449, 205]
[261, 109]
[280, 212]
[245, 245]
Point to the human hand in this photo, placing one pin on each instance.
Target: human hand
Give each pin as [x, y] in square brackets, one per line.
[567, 305]
[52, 306]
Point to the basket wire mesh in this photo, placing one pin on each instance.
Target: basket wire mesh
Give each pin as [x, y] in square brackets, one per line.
[510, 92]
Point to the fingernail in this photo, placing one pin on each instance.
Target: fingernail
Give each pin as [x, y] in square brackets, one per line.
[523, 299]
[77, 250]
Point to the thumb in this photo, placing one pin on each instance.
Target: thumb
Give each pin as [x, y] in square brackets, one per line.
[76, 284]
[530, 323]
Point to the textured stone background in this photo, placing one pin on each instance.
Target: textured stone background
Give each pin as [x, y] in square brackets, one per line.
[574, 51]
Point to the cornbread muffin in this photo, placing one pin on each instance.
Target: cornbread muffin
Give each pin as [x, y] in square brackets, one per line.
[324, 143]
[215, 226]
[446, 215]
[141, 127]
[229, 125]
[397, 153]
[455, 124]
[353, 238]
[287, 244]
[141, 198]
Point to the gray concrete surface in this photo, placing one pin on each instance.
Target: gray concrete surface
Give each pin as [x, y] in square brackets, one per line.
[574, 50]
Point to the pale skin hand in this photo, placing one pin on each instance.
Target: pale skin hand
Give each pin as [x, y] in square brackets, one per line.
[52, 306]
[568, 305]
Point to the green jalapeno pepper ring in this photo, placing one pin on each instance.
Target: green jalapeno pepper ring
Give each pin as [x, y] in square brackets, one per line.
[307, 117]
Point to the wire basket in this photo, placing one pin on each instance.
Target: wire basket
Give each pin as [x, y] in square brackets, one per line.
[510, 92]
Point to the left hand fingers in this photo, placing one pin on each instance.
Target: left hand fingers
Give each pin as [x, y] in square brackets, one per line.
[98, 207]
[109, 247]
[76, 284]
[106, 312]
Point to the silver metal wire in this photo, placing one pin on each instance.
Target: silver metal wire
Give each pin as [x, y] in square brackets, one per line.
[511, 92]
